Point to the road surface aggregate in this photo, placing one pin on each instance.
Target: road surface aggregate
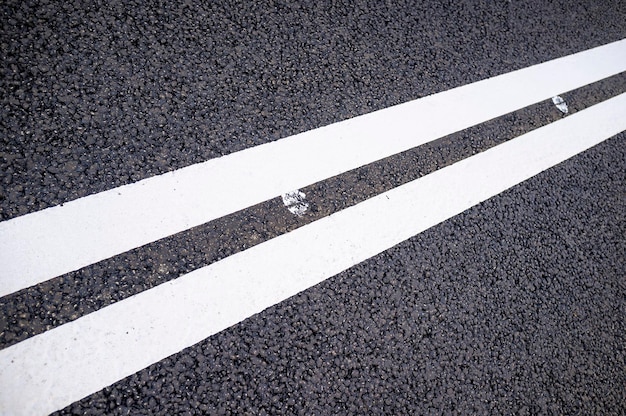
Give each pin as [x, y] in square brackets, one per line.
[39, 308]
[104, 93]
[516, 306]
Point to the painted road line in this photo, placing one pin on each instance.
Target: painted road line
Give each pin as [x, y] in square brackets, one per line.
[42, 245]
[52, 370]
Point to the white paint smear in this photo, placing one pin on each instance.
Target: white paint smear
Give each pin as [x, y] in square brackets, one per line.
[295, 202]
[42, 245]
[560, 104]
[52, 370]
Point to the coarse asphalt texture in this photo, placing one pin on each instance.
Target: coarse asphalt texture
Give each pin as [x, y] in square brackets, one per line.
[41, 307]
[104, 93]
[517, 305]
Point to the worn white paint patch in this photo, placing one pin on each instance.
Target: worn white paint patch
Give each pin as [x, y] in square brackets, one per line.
[560, 104]
[52, 370]
[45, 244]
[295, 202]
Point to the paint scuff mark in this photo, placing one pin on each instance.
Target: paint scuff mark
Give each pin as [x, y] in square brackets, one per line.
[295, 202]
[560, 104]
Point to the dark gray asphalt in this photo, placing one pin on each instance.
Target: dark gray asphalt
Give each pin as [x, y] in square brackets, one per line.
[37, 309]
[103, 93]
[516, 306]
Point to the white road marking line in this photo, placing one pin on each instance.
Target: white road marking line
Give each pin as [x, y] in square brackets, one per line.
[42, 245]
[52, 370]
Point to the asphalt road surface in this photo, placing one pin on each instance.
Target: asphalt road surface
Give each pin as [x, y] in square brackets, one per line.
[517, 305]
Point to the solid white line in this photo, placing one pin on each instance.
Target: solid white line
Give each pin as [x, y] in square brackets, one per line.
[42, 245]
[52, 370]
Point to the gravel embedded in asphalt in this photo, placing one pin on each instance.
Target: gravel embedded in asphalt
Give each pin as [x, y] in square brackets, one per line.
[515, 306]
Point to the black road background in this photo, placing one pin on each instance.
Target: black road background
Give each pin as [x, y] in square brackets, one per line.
[517, 305]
